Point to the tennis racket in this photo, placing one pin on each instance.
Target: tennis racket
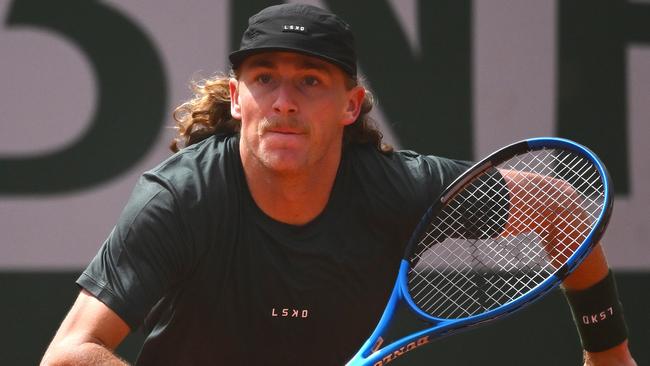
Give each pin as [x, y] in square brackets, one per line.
[502, 235]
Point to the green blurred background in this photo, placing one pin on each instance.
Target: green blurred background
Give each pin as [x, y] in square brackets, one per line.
[87, 89]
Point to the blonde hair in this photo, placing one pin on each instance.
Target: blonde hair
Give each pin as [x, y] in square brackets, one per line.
[208, 113]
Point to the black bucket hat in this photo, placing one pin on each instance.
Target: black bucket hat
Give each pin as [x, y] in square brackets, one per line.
[299, 28]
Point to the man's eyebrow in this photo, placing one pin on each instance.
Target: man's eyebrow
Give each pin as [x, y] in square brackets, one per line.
[267, 63]
[261, 62]
[311, 65]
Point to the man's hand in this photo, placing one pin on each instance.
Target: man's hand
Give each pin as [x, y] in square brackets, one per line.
[615, 356]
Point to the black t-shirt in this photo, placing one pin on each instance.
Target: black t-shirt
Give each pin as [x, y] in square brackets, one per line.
[214, 280]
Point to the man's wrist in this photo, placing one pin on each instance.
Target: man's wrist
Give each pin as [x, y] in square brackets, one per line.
[598, 315]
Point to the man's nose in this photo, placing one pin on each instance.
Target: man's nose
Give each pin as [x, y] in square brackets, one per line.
[284, 101]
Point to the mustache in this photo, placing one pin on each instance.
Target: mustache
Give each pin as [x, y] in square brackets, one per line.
[280, 123]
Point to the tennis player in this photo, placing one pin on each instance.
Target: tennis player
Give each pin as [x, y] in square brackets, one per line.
[273, 236]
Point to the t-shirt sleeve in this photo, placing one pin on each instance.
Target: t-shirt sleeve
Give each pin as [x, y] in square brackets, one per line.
[437, 173]
[141, 258]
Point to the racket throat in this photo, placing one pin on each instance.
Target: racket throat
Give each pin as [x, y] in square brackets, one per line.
[377, 345]
[404, 322]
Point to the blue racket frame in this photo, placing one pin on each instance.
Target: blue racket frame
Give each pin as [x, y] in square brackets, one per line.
[442, 327]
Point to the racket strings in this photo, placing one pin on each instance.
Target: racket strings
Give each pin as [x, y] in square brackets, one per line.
[565, 206]
[494, 241]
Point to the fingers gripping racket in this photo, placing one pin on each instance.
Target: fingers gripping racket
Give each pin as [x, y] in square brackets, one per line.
[501, 235]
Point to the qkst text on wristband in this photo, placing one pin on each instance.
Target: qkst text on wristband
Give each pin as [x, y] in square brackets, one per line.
[598, 313]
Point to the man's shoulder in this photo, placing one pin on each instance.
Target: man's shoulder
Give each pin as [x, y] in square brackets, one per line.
[198, 159]
[418, 161]
[201, 173]
[405, 168]
[370, 157]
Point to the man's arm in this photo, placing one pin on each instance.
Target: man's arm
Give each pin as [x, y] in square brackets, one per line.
[591, 271]
[88, 335]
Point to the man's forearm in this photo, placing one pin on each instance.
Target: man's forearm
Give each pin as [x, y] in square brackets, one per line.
[83, 354]
[593, 269]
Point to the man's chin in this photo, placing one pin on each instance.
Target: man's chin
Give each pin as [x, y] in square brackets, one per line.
[283, 161]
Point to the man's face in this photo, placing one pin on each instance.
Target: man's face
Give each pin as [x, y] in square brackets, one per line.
[293, 109]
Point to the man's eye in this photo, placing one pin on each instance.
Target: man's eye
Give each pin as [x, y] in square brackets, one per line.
[264, 79]
[311, 81]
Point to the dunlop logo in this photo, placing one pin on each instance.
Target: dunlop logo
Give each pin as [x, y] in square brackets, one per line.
[402, 350]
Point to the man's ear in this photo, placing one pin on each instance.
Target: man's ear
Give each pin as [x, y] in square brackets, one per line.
[235, 108]
[355, 100]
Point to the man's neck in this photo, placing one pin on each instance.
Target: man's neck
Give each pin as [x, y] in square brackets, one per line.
[294, 198]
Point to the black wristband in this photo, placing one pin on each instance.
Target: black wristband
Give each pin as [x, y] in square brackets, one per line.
[598, 314]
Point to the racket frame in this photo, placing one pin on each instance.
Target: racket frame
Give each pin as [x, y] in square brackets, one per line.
[367, 355]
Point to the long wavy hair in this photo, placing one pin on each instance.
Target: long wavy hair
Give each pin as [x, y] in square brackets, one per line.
[208, 113]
